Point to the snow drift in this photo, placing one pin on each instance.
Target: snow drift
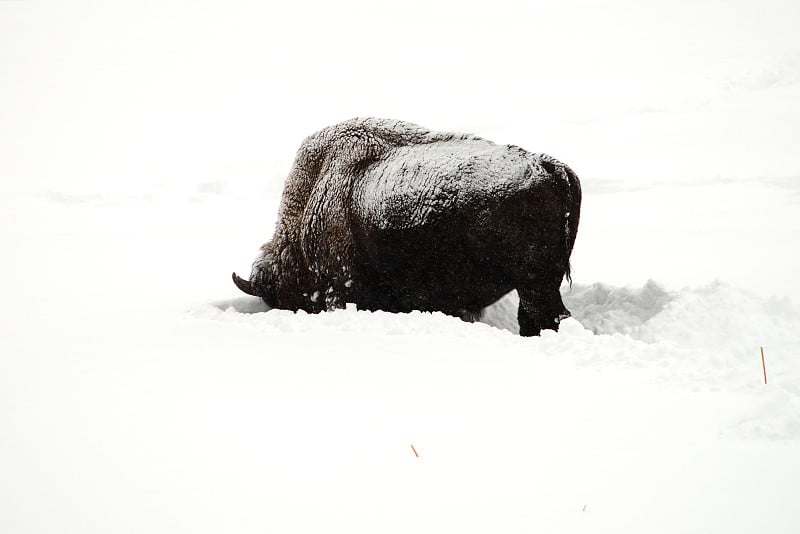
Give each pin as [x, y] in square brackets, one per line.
[140, 393]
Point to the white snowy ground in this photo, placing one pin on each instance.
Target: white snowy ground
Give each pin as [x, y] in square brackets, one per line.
[142, 150]
[142, 393]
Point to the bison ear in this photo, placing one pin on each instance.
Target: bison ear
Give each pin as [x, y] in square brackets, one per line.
[244, 285]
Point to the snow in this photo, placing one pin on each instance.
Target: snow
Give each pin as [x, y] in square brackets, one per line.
[142, 392]
[143, 161]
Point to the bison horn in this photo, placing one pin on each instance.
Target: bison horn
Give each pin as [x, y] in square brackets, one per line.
[244, 285]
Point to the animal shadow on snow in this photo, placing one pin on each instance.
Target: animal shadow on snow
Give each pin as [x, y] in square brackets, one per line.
[242, 305]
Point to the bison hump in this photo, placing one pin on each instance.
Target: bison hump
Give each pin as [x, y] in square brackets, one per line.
[419, 184]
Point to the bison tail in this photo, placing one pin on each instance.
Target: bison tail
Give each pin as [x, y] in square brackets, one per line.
[572, 213]
[568, 189]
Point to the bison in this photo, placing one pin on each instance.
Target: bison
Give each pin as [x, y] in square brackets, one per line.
[392, 216]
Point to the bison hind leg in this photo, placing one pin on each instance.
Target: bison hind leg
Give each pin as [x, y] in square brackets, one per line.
[540, 308]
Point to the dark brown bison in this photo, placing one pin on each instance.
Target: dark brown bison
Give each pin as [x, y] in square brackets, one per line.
[391, 216]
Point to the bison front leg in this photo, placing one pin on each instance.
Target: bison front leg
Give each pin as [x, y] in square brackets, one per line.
[540, 308]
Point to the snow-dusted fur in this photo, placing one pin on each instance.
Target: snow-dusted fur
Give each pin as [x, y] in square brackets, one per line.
[390, 215]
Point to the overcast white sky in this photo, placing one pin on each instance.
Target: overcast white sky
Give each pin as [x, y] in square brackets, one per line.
[110, 96]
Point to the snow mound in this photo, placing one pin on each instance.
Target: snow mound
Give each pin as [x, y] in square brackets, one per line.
[605, 309]
[716, 316]
[712, 329]
[602, 308]
[696, 340]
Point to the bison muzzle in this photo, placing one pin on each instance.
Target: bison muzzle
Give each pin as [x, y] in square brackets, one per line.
[391, 216]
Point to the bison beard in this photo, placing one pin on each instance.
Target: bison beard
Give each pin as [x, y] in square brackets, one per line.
[391, 216]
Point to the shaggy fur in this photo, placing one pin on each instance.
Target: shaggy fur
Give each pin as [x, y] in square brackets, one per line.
[392, 216]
